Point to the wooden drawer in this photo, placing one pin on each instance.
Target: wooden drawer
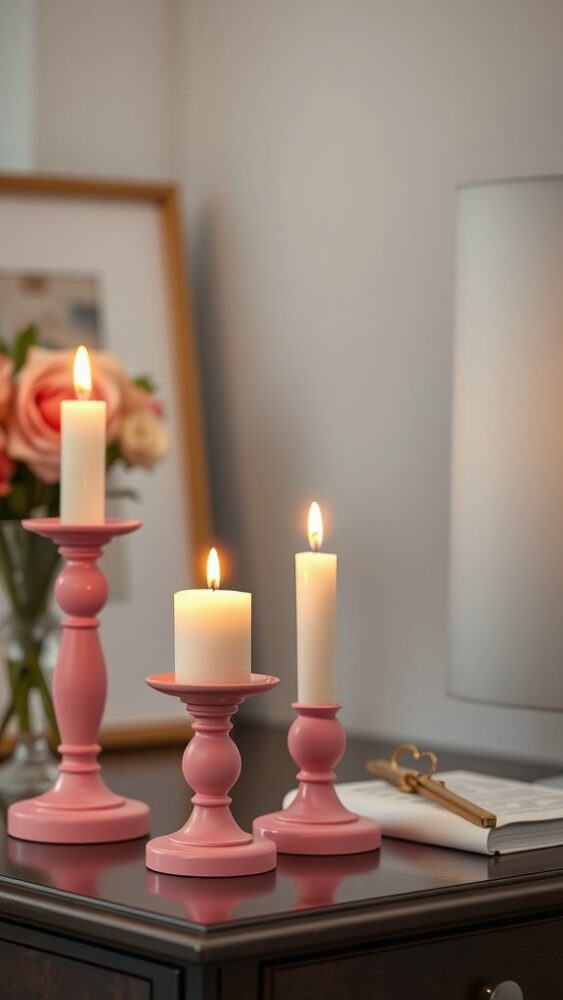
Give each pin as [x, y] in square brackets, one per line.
[453, 968]
[37, 966]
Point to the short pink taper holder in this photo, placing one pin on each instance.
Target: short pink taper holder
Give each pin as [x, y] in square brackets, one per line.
[79, 808]
[316, 822]
[211, 843]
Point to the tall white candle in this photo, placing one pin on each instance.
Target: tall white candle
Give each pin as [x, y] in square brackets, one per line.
[83, 450]
[315, 587]
[212, 630]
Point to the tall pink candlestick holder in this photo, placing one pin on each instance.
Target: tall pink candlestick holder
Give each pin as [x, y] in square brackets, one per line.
[79, 808]
[316, 822]
[211, 843]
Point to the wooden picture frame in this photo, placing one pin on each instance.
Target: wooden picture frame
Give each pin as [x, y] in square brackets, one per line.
[45, 191]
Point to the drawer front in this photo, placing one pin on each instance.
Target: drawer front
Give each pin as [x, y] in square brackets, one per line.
[39, 975]
[454, 968]
[38, 966]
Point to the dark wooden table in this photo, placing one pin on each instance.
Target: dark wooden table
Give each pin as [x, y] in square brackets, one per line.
[92, 923]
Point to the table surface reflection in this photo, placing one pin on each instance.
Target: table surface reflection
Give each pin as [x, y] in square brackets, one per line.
[114, 875]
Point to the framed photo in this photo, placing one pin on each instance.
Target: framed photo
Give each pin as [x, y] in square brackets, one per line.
[101, 263]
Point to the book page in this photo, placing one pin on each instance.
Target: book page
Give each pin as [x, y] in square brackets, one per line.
[510, 801]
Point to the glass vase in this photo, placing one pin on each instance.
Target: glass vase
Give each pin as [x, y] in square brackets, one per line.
[29, 636]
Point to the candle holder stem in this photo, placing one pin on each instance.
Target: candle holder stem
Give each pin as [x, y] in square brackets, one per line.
[211, 843]
[316, 821]
[79, 808]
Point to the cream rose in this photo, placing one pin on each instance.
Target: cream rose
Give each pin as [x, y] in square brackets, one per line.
[142, 438]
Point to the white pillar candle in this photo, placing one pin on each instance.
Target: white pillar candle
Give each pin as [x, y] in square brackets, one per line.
[212, 630]
[83, 450]
[315, 587]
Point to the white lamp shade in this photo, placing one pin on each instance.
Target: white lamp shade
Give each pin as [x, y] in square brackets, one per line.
[506, 551]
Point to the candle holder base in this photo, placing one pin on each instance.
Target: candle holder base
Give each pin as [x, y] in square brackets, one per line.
[79, 808]
[79, 821]
[174, 855]
[358, 836]
[316, 821]
[211, 844]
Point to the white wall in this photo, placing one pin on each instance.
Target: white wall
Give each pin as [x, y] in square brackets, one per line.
[104, 75]
[320, 143]
[86, 88]
[17, 56]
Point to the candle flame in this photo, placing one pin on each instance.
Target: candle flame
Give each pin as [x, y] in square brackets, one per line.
[82, 375]
[213, 570]
[315, 526]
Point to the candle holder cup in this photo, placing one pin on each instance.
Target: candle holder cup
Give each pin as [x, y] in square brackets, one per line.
[211, 843]
[316, 821]
[79, 808]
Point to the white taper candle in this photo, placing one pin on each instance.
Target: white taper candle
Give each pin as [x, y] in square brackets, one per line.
[83, 451]
[315, 586]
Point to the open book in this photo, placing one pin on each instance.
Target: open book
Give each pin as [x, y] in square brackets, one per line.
[528, 816]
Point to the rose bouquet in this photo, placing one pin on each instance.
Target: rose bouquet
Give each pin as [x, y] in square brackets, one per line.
[33, 383]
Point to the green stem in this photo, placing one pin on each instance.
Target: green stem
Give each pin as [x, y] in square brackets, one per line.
[43, 689]
[7, 571]
[19, 686]
[43, 580]
[8, 713]
[20, 682]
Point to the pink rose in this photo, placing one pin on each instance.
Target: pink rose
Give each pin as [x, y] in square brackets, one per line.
[6, 386]
[34, 427]
[136, 399]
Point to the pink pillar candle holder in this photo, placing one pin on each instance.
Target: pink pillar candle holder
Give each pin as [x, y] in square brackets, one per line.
[316, 822]
[79, 808]
[211, 843]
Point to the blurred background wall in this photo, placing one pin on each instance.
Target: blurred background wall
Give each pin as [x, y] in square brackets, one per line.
[17, 77]
[318, 145]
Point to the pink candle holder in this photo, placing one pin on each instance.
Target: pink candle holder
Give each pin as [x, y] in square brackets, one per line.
[316, 822]
[79, 808]
[211, 843]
